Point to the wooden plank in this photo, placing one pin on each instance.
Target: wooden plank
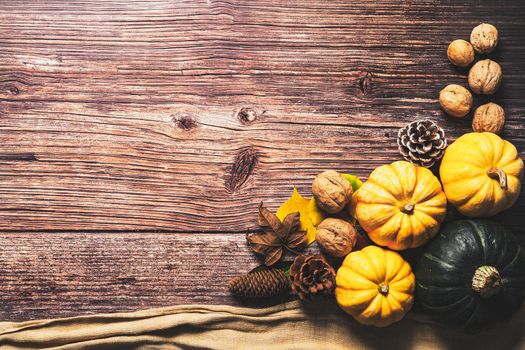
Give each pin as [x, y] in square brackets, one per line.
[183, 115]
[176, 118]
[66, 274]
[61, 274]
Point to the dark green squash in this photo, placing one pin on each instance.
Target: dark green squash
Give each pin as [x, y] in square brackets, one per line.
[472, 275]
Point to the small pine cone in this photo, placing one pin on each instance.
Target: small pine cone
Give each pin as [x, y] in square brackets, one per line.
[312, 275]
[422, 142]
[260, 284]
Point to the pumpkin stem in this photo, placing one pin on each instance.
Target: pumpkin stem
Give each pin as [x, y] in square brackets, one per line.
[383, 289]
[408, 208]
[500, 175]
[486, 281]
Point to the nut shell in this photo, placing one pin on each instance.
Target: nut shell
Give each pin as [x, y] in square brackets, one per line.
[485, 77]
[332, 191]
[460, 53]
[484, 38]
[489, 117]
[337, 237]
[455, 100]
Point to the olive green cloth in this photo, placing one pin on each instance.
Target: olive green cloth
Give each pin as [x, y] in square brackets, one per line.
[288, 326]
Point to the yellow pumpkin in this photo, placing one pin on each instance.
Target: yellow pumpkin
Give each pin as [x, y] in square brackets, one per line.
[375, 286]
[401, 205]
[481, 174]
[351, 207]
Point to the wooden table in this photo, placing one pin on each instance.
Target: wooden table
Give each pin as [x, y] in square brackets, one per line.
[138, 137]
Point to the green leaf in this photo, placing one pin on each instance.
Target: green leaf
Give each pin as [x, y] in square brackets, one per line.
[287, 272]
[354, 181]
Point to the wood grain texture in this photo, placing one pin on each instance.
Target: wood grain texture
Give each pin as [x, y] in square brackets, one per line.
[124, 115]
[60, 274]
[131, 124]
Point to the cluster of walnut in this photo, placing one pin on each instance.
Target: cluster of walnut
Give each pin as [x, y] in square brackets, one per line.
[333, 193]
[484, 78]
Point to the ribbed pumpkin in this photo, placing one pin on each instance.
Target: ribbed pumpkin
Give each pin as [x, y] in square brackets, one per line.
[472, 275]
[375, 286]
[401, 205]
[481, 174]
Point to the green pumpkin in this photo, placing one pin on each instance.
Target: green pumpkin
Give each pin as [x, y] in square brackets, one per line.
[472, 275]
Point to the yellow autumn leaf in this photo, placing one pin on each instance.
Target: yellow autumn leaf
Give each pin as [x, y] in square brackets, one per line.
[311, 216]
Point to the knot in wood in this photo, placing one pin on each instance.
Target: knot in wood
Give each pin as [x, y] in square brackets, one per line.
[184, 121]
[14, 90]
[241, 169]
[247, 115]
[365, 83]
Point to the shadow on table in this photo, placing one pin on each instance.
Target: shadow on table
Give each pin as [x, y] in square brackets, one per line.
[419, 331]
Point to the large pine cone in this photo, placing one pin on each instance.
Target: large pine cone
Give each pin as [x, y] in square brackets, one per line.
[260, 284]
[312, 275]
[422, 142]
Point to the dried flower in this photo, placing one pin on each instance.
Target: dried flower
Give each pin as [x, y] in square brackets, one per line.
[277, 235]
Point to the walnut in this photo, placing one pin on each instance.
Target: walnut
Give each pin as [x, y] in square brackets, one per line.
[336, 237]
[489, 117]
[484, 38]
[485, 77]
[460, 53]
[331, 191]
[455, 100]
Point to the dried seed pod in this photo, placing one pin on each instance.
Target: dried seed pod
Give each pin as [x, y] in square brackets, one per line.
[484, 38]
[260, 284]
[337, 237]
[455, 100]
[332, 191]
[311, 276]
[460, 53]
[485, 77]
[489, 117]
[422, 142]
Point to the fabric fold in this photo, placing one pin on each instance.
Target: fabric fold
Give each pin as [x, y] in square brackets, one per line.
[288, 326]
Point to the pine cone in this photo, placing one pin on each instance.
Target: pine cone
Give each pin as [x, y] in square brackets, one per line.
[260, 284]
[422, 142]
[312, 275]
